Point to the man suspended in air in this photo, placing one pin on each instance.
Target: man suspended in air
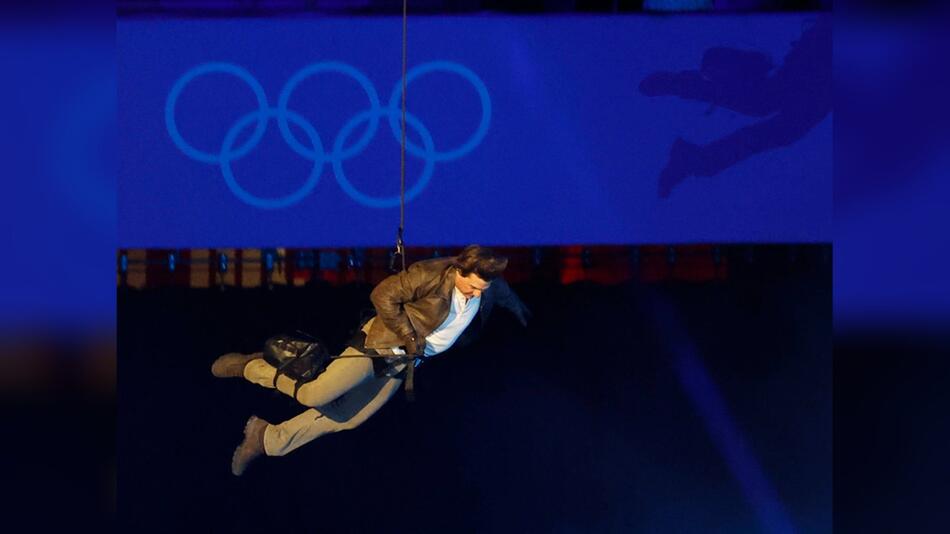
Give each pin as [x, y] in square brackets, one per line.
[420, 312]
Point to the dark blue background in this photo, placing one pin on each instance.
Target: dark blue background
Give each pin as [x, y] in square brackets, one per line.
[624, 408]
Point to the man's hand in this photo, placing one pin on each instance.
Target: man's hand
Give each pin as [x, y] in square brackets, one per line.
[414, 346]
[521, 312]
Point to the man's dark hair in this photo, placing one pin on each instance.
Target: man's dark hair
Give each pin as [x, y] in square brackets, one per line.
[481, 261]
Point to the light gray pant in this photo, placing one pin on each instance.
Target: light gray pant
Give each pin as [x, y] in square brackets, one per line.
[343, 397]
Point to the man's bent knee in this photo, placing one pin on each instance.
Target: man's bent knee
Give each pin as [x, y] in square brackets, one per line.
[350, 424]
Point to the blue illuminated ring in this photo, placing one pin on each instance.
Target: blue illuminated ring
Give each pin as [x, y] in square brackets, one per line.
[280, 202]
[382, 202]
[188, 77]
[316, 68]
[318, 153]
[471, 77]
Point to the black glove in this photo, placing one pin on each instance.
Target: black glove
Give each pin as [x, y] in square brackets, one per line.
[414, 345]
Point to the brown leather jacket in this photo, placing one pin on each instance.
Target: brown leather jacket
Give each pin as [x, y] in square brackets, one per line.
[418, 300]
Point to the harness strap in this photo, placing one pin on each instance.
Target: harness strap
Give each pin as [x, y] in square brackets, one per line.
[410, 375]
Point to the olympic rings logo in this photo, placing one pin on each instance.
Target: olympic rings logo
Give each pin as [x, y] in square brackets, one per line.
[312, 148]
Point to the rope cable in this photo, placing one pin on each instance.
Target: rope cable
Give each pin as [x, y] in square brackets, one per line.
[400, 249]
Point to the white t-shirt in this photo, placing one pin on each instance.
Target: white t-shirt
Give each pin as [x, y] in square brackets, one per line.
[461, 313]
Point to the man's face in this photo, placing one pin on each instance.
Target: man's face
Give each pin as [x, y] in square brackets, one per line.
[471, 285]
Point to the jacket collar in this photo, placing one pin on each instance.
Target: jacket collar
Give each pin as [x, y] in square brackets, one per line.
[447, 284]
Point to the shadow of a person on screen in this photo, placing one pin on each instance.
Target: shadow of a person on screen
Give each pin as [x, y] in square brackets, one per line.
[792, 100]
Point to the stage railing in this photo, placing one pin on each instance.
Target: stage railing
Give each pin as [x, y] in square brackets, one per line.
[601, 264]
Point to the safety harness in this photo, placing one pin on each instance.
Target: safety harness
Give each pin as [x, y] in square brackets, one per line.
[302, 358]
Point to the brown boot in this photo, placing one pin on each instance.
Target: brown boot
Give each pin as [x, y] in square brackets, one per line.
[232, 364]
[251, 447]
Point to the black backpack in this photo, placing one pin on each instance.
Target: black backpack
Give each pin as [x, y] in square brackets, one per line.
[299, 356]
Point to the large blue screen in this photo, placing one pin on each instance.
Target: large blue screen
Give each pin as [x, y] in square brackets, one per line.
[521, 130]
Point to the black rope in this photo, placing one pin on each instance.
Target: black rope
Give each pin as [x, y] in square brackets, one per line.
[400, 246]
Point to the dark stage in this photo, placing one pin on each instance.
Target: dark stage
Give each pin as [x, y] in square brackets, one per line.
[665, 407]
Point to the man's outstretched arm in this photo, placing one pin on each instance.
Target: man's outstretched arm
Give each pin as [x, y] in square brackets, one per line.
[507, 298]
